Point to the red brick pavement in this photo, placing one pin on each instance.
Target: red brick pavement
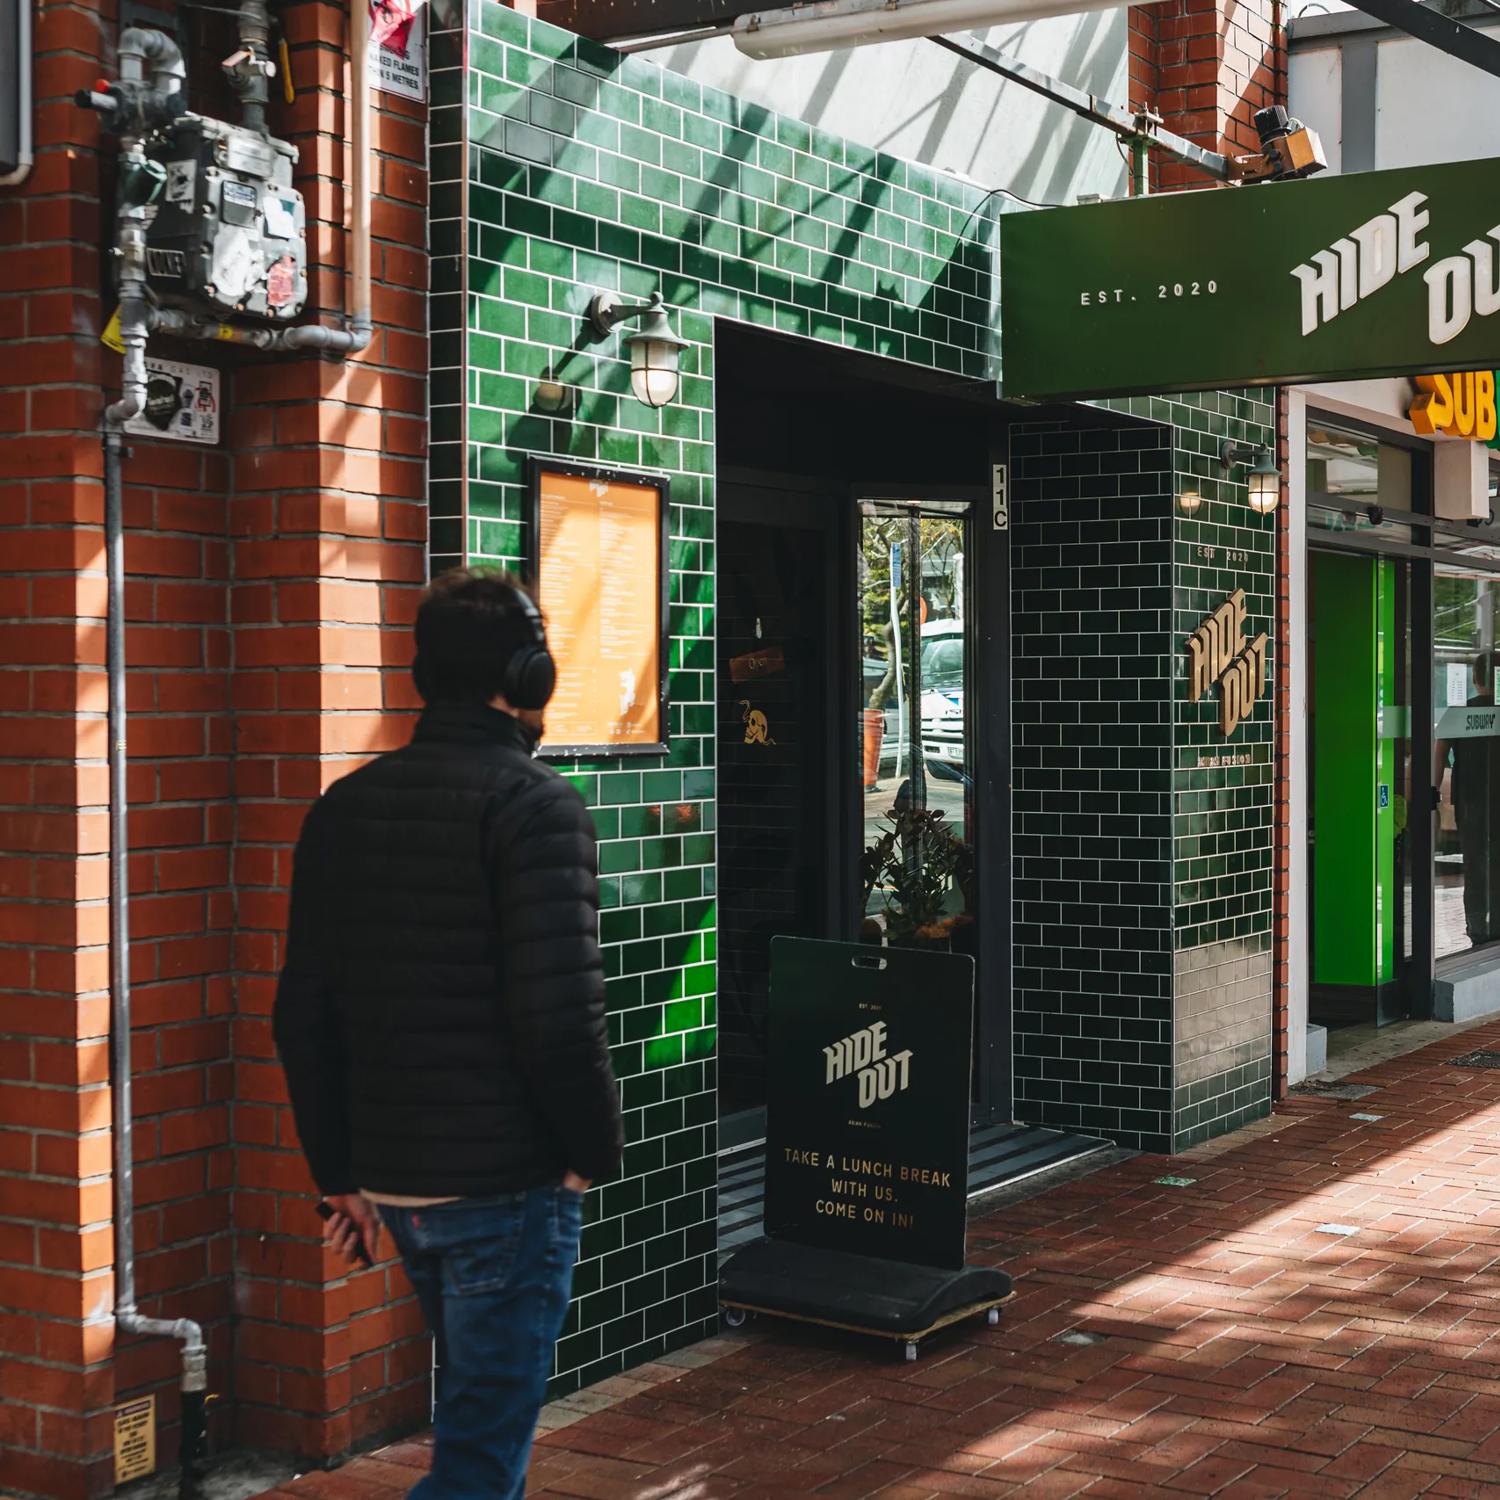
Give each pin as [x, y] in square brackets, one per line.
[1240, 1351]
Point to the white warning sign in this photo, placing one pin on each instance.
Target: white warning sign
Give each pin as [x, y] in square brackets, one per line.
[182, 402]
[398, 52]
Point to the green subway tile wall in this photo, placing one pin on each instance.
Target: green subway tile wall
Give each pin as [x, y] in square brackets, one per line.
[1142, 879]
[560, 168]
[1223, 814]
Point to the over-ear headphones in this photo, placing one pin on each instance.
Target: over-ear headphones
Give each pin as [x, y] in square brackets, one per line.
[530, 674]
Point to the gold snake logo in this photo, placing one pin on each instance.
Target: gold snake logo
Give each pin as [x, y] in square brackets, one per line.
[757, 726]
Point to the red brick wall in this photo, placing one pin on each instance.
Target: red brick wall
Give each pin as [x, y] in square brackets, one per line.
[268, 582]
[1214, 63]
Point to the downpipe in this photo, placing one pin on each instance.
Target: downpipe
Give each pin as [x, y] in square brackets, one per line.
[26, 148]
[134, 328]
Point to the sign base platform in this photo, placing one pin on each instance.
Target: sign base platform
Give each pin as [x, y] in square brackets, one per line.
[884, 1299]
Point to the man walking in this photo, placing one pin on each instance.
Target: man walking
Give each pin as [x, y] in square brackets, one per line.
[440, 1019]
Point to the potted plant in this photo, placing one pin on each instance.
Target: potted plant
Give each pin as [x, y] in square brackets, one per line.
[915, 865]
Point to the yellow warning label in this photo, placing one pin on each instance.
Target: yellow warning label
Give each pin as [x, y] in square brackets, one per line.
[135, 1439]
[110, 338]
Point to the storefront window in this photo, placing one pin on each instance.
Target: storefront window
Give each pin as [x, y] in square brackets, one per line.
[1466, 731]
[1358, 485]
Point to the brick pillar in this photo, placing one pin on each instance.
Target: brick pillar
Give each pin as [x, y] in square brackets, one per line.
[56, 1282]
[65, 1367]
[1215, 63]
[268, 582]
[1143, 67]
[329, 519]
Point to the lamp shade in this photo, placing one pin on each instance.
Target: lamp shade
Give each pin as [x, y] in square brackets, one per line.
[654, 369]
[655, 356]
[1264, 481]
[1265, 491]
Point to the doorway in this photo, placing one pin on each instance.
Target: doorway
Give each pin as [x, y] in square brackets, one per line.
[779, 835]
[1363, 781]
[843, 688]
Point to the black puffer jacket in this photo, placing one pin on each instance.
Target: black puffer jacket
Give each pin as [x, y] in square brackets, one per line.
[441, 1013]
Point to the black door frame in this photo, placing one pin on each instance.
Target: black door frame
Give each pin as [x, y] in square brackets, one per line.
[987, 611]
[752, 498]
[987, 658]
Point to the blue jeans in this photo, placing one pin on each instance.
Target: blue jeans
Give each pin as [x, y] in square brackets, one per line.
[493, 1276]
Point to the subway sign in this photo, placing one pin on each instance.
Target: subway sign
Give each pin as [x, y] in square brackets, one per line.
[1460, 405]
[1332, 278]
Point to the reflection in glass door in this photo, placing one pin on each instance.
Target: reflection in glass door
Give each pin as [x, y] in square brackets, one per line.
[917, 794]
[1466, 760]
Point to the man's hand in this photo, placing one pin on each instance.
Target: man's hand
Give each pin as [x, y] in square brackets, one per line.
[354, 1223]
[574, 1183]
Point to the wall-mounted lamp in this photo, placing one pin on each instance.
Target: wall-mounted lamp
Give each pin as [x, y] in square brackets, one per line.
[655, 350]
[1264, 478]
[1189, 501]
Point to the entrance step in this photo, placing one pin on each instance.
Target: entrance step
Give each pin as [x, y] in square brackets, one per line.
[1468, 991]
[999, 1155]
[1317, 1048]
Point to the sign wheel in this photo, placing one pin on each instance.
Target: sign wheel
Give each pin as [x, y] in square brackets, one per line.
[736, 1317]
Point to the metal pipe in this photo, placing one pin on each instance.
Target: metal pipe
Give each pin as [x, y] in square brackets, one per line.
[25, 150]
[361, 144]
[1125, 124]
[137, 49]
[251, 78]
[359, 326]
[186, 325]
[134, 308]
[672, 39]
[140, 47]
[1140, 168]
[127, 1318]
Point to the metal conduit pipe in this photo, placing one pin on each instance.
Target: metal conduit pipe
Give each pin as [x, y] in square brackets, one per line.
[141, 48]
[359, 326]
[26, 148]
[138, 48]
[252, 81]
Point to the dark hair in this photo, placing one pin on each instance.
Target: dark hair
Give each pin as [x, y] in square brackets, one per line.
[469, 623]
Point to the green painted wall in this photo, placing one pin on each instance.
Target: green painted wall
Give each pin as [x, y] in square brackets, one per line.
[1353, 627]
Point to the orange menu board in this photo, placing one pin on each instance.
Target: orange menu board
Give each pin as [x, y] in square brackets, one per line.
[600, 581]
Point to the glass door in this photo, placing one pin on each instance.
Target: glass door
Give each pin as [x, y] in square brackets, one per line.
[917, 833]
[1466, 760]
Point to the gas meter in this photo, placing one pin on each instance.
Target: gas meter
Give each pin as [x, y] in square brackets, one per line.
[229, 232]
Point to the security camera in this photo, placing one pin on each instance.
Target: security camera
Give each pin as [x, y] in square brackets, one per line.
[1289, 149]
